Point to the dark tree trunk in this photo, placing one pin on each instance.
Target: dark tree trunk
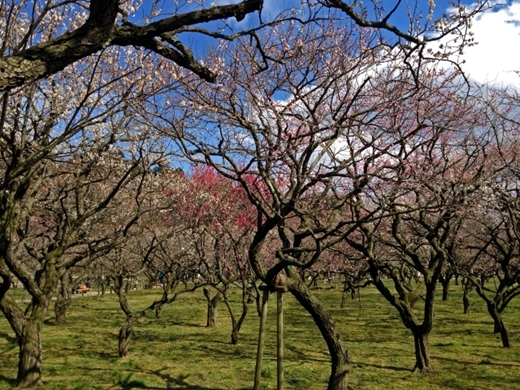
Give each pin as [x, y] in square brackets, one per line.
[212, 312]
[237, 325]
[63, 301]
[348, 289]
[60, 310]
[27, 326]
[250, 295]
[30, 357]
[211, 320]
[423, 362]
[258, 301]
[13, 314]
[468, 286]
[125, 333]
[499, 327]
[125, 336]
[445, 289]
[338, 353]
[102, 286]
[343, 295]
[28, 334]
[6, 282]
[158, 311]
[404, 305]
[234, 335]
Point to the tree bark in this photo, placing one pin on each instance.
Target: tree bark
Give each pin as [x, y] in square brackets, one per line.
[13, 314]
[63, 301]
[234, 335]
[211, 320]
[125, 336]
[30, 356]
[100, 31]
[60, 310]
[102, 285]
[339, 354]
[27, 327]
[237, 325]
[423, 362]
[28, 333]
[404, 305]
[445, 289]
[499, 327]
[468, 286]
[158, 311]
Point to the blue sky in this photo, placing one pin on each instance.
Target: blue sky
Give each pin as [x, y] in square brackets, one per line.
[494, 59]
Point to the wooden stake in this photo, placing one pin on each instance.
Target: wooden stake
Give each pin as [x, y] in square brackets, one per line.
[279, 337]
[261, 337]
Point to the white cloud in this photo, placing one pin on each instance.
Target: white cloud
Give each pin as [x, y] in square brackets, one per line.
[496, 56]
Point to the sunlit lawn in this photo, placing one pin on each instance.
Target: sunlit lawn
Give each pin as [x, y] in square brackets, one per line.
[178, 352]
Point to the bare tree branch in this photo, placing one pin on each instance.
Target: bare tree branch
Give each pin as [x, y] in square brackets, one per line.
[100, 31]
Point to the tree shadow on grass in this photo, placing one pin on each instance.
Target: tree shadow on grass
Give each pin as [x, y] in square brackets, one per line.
[485, 360]
[127, 383]
[180, 383]
[187, 324]
[10, 339]
[380, 366]
[10, 381]
[219, 353]
[301, 355]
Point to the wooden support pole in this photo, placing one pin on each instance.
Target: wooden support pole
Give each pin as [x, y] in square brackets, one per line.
[261, 337]
[279, 336]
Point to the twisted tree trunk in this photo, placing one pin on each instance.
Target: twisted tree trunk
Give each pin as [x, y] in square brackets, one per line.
[423, 362]
[125, 336]
[339, 354]
[499, 327]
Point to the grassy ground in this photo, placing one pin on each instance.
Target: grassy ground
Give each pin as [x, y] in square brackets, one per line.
[178, 352]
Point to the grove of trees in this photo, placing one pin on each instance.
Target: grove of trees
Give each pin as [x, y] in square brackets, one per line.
[323, 139]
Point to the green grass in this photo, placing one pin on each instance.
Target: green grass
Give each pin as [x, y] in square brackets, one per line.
[179, 352]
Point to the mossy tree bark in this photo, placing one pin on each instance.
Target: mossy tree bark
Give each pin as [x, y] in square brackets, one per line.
[8, 305]
[30, 356]
[63, 300]
[211, 319]
[125, 337]
[27, 328]
[27, 325]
